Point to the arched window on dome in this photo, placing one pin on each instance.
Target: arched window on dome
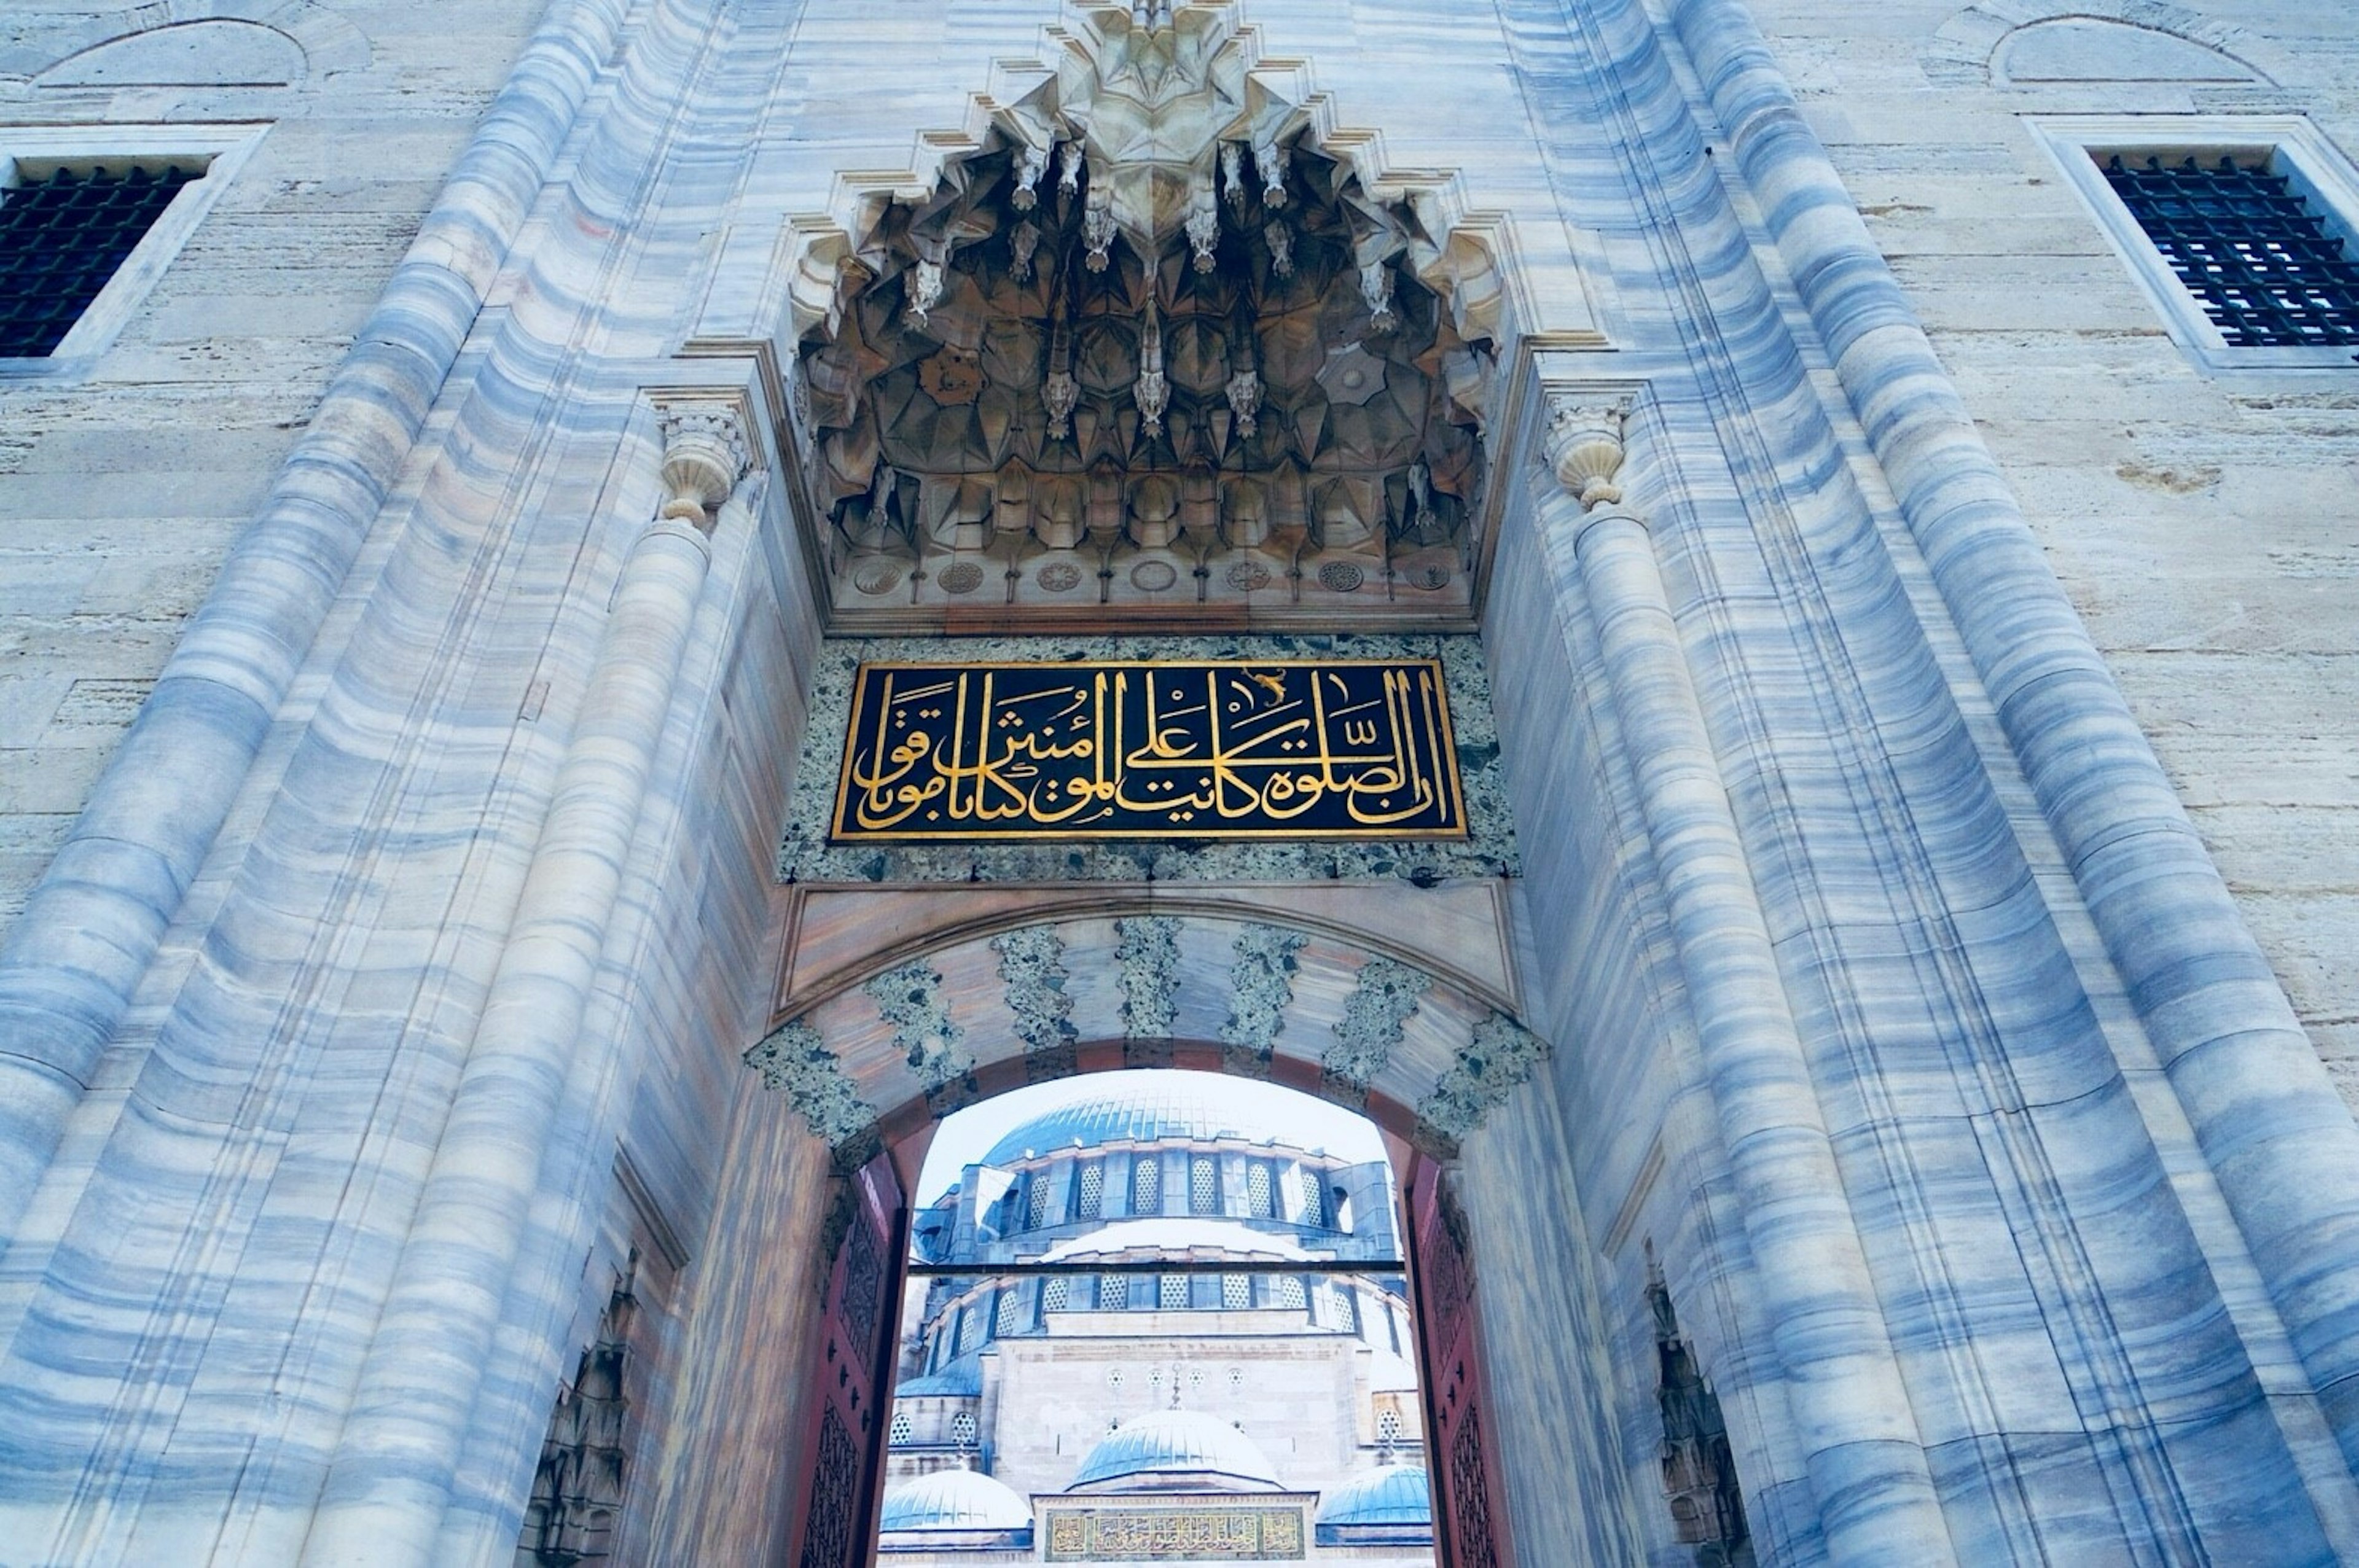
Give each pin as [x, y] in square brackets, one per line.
[1037, 1210]
[1054, 1293]
[1089, 1193]
[1003, 1316]
[1287, 1293]
[962, 1429]
[1146, 1185]
[903, 1429]
[1203, 1185]
[1261, 1193]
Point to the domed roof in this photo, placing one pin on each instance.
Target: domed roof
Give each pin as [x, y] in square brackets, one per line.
[954, 1499]
[1174, 1448]
[1396, 1494]
[1173, 1233]
[1148, 1107]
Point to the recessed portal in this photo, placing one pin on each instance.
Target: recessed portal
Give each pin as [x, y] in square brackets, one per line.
[1155, 1317]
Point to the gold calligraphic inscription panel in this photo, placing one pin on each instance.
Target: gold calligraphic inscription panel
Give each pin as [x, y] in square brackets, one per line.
[1269, 748]
[1175, 1535]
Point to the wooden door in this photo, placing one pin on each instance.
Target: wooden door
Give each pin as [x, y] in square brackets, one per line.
[1469, 1529]
[837, 1496]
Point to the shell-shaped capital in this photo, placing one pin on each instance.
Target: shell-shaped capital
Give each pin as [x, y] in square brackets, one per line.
[705, 454]
[1584, 448]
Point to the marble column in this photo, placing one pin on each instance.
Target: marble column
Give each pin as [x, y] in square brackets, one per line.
[1859, 1436]
[392, 1475]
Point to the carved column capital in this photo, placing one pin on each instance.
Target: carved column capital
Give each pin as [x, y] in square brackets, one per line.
[705, 454]
[1584, 448]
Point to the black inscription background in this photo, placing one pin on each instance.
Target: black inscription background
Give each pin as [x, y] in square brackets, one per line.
[1348, 749]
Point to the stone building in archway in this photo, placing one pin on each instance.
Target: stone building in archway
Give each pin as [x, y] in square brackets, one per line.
[465, 1043]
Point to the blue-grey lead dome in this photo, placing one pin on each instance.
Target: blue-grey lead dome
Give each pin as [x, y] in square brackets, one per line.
[954, 1499]
[1151, 1108]
[1172, 1450]
[1398, 1494]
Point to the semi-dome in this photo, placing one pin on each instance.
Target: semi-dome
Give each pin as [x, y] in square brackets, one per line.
[1171, 1450]
[1167, 1233]
[954, 1499]
[1150, 1106]
[1396, 1494]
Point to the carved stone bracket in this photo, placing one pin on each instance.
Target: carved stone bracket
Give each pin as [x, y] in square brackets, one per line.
[705, 454]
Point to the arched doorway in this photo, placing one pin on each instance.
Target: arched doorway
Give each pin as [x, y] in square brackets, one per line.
[1408, 1284]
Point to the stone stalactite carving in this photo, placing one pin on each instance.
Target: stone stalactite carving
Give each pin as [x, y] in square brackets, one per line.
[578, 1489]
[795, 1061]
[1153, 320]
[1148, 953]
[1374, 1016]
[1700, 1484]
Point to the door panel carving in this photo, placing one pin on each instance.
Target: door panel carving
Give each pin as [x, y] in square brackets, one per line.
[836, 1502]
[1465, 1474]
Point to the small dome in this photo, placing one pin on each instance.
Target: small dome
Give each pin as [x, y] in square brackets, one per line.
[1393, 1495]
[1174, 1449]
[954, 1499]
[1149, 1106]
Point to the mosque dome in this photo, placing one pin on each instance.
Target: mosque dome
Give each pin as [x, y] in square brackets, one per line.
[1171, 1450]
[954, 1499]
[1394, 1494]
[1154, 1106]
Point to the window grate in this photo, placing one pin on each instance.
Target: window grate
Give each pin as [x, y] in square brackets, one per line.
[1053, 1294]
[2249, 247]
[1038, 1211]
[1236, 1291]
[1261, 1198]
[1204, 1187]
[61, 241]
[1173, 1294]
[1113, 1292]
[1314, 1198]
[1092, 1192]
[1003, 1322]
[1287, 1292]
[1146, 1187]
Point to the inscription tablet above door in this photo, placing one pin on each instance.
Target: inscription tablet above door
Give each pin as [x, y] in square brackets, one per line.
[1325, 749]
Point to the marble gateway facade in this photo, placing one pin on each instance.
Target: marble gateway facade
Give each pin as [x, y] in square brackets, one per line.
[454, 1089]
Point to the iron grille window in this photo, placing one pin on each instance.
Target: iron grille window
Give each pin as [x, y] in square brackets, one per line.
[1287, 1292]
[1204, 1187]
[903, 1429]
[1039, 1200]
[1146, 1187]
[1261, 1197]
[1003, 1322]
[1113, 1292]
[1236, 1291]
[1172, 1293]
[1388, 1426]
[1054, 1293]
[1091, 1195]
[2248, 246]
[61, 239]
[962, 1429]
[1314, 1198]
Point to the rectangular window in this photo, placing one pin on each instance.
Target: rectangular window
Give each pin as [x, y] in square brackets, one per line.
[1236, 1291]
[1113, 1292]
[1286, 1290]
[2240, 230]
[2251, 249]
[90, 217]
[61, 237]
[1172, 1296]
